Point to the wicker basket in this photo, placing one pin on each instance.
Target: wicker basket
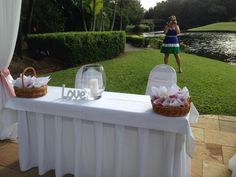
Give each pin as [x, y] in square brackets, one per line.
[172, 111]
[30, 92]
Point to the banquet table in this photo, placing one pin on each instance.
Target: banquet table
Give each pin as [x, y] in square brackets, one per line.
[117, 135]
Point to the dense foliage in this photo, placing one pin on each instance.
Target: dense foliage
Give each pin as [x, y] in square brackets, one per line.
[78, 47]
[193, 13]
[137, 41]
[81, 15]
[137, 29]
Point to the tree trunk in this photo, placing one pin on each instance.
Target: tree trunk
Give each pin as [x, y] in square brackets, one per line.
[83, 18]
[29, 18]
[114, 16]
[94, 15]
[121, 17]
[18, 47]
[101, 21]
[84, 22]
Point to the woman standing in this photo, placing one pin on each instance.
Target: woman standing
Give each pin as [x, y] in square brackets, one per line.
[171, 42]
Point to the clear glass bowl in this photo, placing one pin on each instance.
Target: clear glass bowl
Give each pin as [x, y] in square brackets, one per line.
[93, 80]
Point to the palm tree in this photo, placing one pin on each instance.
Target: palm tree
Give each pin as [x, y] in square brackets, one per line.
[82, 14]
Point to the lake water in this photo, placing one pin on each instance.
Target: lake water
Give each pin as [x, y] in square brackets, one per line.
[220, 46]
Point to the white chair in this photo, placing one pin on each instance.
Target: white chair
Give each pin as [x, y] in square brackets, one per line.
[165, 75]
[161, 75]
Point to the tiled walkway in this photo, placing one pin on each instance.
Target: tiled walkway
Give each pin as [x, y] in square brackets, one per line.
[216, 143]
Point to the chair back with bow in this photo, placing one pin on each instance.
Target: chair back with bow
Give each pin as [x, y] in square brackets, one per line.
[161, 75]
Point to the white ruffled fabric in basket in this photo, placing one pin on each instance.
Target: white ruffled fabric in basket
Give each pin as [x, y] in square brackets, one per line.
[31, 82]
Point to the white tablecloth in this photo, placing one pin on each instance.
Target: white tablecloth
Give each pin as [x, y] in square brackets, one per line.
[117, 135]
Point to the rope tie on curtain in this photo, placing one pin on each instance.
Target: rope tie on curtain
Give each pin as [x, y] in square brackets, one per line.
[3, 76]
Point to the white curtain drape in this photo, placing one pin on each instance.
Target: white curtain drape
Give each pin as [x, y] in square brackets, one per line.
[9, 23]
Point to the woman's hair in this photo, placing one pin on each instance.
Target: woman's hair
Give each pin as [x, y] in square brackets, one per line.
[172, 18]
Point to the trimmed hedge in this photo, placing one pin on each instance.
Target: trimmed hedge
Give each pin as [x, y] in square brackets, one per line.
[156, 42]
[137, 41]
[152, 42]
[137, 29]
[150, 24]
[78, 47]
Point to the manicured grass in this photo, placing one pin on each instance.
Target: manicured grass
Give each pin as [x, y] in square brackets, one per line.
[223, 26]
[212, 83]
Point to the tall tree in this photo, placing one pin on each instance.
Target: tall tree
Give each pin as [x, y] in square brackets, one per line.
[25, 25]
[121, 15]
[28, 19]
[94, 15]
[96, 6]
[114, 15]
[82, 5]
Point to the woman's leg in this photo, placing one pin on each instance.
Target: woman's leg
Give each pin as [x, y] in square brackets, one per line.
[177, 58]
[166, 58]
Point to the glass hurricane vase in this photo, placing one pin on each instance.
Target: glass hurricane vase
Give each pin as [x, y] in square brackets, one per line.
[93, 80]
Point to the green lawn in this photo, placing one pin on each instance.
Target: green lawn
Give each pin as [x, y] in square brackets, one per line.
[223, 26]
[212, 83]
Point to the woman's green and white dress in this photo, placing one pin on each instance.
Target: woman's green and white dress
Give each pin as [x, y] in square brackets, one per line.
[170, 44]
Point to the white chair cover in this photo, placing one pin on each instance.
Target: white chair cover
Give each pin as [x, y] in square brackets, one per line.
[165, 75]
[161, 75]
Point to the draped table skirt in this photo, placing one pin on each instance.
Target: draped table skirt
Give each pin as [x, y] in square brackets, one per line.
[90, 148]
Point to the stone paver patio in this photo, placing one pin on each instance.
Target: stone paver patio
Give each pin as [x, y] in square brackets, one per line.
[215, 145]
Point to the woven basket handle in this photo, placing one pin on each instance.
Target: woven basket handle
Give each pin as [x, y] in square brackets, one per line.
[22, 77]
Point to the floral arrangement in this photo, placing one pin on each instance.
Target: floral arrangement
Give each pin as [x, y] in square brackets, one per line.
[171, 96]
[31, 81]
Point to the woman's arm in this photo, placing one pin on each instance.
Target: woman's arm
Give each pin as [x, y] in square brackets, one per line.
[166, 29]
[177, 29]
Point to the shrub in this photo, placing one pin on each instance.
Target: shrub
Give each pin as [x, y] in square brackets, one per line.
[137, 41]
[137, 29]
[79, 47]
[184, 47]
[141, 28]
[156, 42]
[129, 29]
[233, 19]
[150, 24]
